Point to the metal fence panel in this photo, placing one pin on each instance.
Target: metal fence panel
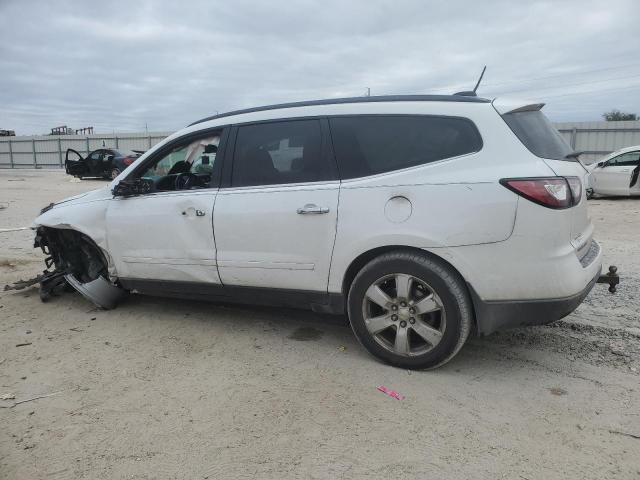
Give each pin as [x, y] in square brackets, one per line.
[49, 151]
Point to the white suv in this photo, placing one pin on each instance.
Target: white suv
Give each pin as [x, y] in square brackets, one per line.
[421, 217]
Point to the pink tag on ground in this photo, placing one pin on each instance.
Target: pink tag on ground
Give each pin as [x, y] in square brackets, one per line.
[391, 393]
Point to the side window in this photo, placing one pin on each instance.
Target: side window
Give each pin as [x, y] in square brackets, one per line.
[279, 152]
[96, 155]
[629, 159]
[370, 144]
[193, 162]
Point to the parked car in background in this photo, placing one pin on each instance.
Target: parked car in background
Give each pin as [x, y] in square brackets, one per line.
[423, 218]
[616, 174]
[105, 162]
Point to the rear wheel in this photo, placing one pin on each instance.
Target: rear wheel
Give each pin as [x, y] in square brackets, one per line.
[114, 173]
[410, 310]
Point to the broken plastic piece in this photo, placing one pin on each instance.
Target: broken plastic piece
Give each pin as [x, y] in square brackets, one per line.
[391, 393]
[100, 291]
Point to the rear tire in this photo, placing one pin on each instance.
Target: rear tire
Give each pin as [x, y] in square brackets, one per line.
[410, 310]
[114, 173]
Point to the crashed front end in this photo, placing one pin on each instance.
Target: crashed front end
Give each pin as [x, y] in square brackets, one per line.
[74, 260]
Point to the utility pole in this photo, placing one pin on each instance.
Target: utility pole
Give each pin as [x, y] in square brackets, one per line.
[368, 92]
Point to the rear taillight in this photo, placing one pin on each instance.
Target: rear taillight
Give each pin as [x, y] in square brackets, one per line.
[550, 192]
[128, 160]
[576, 189]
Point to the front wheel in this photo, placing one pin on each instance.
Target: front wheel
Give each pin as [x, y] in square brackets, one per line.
[410, 310]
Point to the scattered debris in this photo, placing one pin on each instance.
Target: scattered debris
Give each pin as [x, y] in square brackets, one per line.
[22, 284]
[632, 435]
[557, 391]
[2, 361]
[5, 230]
[391, 393]
[93, 318]
[28, 332]
[15, 180]
[7, 396]
[76, 329]
[23, 344]
[35, 398]
[342, 348]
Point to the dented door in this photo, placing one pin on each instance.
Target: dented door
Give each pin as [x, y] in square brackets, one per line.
[164, 236]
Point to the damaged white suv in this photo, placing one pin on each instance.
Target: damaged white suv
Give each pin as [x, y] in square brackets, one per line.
[422, 217]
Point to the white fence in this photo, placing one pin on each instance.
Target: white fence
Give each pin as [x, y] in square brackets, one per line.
[48, 151]
[595, 139]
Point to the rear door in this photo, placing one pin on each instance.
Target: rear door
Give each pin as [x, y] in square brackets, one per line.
[614, 177]
[275, 221]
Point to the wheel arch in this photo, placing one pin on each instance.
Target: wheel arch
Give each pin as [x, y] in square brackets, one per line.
[361, 260]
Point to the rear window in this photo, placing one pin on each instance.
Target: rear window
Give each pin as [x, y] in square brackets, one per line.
[535, 131]
[370, 144]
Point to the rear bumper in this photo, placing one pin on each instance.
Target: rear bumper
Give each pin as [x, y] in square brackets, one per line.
[499, 315]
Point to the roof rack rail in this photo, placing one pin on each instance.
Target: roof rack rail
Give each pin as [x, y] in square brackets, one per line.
[337, 101]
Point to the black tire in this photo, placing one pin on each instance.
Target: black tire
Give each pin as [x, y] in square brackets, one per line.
[589, 193]
[114, 173]
[442, 280]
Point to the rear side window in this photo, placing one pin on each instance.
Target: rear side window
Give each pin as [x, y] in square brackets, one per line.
[535, 131]
[279, 152]
[370, 144]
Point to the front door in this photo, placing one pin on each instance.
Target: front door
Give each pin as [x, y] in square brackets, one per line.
[167, 233]
[614, 177]
[275, 222]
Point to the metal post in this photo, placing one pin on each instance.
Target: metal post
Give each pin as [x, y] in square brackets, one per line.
[10, 153]
[60, 151]
[149, 141]
[574, 134]
[33, 148]
[116, 141]
[87, 141]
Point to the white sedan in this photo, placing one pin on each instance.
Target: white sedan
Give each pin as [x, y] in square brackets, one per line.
[616, 174]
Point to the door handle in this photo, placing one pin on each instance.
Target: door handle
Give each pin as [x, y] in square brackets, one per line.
[199, 213]
[312, 209]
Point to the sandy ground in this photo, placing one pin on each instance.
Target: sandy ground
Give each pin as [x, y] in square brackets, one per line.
[170, 389]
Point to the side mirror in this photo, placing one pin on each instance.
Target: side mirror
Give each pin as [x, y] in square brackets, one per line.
[110, 158]
[125, 188]
[601, 164]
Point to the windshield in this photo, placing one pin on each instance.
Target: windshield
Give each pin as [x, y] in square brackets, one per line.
[537, 133]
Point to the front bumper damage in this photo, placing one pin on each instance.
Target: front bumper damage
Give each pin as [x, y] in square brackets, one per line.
[74, 261]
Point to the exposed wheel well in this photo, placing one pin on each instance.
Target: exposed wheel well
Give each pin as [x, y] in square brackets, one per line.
[360, 261]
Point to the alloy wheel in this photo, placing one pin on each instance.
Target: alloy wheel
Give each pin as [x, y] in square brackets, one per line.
[404, 314]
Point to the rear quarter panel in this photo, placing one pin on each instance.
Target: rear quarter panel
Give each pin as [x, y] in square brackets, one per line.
[453, 202]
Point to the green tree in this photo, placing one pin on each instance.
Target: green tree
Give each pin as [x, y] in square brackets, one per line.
[616, 116]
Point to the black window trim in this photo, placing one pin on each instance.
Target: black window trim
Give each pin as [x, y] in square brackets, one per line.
[183, 140]
[435, 162]
[326, 153]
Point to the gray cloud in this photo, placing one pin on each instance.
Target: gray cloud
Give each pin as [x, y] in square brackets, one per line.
[118, 65]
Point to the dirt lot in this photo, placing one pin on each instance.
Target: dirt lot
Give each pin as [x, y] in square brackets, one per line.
[169, 389]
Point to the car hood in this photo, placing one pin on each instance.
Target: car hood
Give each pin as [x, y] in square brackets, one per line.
[103, 193]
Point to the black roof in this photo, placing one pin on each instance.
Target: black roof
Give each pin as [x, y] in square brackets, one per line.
[335, 101]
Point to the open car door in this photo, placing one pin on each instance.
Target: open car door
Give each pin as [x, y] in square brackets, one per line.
[74, 163]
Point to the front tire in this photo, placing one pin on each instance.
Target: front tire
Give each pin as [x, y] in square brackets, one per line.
[410, 310]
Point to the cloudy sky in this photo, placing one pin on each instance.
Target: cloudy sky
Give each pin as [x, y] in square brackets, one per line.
[123, 64]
